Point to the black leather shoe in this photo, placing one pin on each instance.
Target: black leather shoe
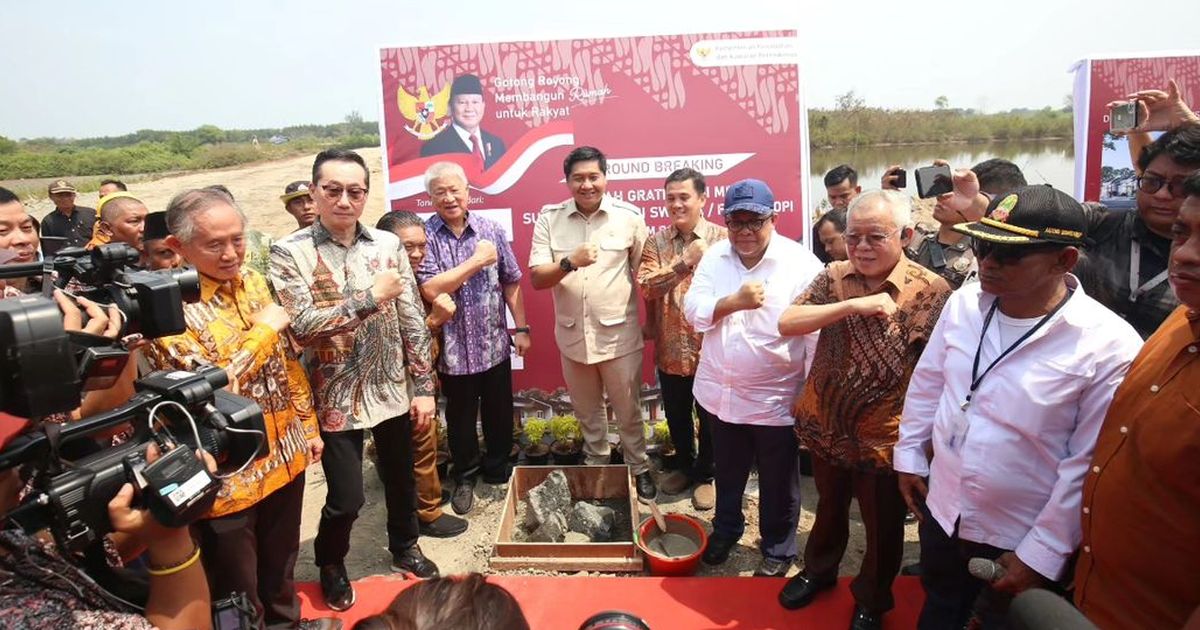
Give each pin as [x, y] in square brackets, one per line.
[498, 479]
[336, 587]
[464, 497]
[444, 526]
[773, 567]
[445, 497]
[646, 489]
[718, 550]
[801, 589]
[865, 620]
[412, 561]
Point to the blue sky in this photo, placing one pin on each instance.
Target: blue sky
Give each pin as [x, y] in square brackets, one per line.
[75, 68]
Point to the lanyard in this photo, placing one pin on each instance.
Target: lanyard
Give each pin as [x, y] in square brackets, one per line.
[976, 377]
[1135, 268]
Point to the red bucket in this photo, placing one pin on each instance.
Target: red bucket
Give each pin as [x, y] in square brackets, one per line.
[682, 525]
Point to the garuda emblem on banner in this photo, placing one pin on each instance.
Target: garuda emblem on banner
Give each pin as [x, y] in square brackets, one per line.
[423, 111]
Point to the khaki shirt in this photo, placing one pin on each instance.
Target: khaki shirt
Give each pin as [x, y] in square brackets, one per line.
[595, 308]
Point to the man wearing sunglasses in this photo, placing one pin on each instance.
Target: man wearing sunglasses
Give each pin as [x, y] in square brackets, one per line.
[354, 305]
[1130, 249]
[875, 312]
[1008, 395]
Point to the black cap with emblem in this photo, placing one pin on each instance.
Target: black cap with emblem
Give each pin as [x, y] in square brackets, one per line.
[1031, 215]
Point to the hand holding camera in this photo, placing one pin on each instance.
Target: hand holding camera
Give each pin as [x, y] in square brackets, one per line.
[894, 178]
[1150, 110]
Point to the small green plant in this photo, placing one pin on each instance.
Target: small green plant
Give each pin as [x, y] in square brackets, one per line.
[565, 429]
[662, 433]
[535, 429]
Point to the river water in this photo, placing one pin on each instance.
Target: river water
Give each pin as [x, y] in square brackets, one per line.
[1043, 162]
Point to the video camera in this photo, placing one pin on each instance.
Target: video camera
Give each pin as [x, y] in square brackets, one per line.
[71, 499]
[43, 367]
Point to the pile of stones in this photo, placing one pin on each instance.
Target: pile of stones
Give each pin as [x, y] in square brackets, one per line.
[552, 516]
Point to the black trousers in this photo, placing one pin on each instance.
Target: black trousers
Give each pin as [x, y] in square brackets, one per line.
[342, 463]
[491, 388]
[883, 510]
[254, 552]
[952, 594]
[736, 448]
[678, 403]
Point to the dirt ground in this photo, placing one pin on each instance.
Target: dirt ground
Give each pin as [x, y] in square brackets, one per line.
[257, 188]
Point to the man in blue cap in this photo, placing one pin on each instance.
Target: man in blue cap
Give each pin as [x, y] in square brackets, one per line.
[749, 374]
[466, 135]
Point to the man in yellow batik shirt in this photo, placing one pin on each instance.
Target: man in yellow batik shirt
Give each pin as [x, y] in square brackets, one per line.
[251, 538]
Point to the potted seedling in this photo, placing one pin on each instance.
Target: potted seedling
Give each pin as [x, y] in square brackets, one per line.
[536, 453]
[662, 437]
[567, 436]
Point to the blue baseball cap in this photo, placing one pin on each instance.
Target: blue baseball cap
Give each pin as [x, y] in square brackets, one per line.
[750, 195]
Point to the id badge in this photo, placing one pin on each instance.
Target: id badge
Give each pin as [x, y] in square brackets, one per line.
[957, 427]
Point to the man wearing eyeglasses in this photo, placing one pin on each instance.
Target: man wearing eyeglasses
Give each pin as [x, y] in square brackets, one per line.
[1130, 249]
[1009, 396]
[748, 374]
[354, 304]
[875, 313]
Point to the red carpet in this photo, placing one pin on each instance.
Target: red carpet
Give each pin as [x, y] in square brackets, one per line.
[563, 603]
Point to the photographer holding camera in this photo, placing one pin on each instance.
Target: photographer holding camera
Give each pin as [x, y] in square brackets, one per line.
[40, 588]
[252, 535]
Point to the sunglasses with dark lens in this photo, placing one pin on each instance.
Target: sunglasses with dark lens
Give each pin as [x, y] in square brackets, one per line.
[1151, 184]
[1008, 254]
[334, 193]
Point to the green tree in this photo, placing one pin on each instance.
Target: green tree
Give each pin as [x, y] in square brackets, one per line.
[941, 102]
[7, 146]
[209, 134]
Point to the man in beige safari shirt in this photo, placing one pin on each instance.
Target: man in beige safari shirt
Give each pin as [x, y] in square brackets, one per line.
[586, 250]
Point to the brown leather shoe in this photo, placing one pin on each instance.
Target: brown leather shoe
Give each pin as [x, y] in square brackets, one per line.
[674, 483]
[704, 496]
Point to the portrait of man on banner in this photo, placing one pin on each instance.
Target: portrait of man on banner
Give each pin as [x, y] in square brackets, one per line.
[466, 134]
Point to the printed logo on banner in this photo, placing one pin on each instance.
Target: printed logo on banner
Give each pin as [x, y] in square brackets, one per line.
[424, 111]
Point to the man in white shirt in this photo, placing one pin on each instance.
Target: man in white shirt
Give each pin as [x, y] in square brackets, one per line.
[1009, 394]
[748, 374]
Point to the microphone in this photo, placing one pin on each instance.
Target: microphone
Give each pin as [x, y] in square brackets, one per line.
[985, 569]
[1038, 609]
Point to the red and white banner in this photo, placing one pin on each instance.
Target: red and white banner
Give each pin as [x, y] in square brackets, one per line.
[1103, 166]
[726, 104]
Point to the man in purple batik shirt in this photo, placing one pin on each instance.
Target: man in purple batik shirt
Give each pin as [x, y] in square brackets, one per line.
[469, 257]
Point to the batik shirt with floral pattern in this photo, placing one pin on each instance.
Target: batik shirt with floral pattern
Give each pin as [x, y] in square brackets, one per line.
[263, 368]
[361, 354]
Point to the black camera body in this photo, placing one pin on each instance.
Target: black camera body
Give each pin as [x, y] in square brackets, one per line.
[73, 500]
[151, 301]
[43, 367]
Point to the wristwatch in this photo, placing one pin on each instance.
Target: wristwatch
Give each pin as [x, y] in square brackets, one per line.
[521, 329]
[566, 265]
